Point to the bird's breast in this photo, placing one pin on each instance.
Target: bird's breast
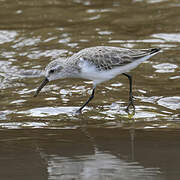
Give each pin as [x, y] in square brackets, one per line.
[91, 72]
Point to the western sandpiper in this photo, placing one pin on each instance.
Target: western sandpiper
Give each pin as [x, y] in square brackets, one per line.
[99, 64]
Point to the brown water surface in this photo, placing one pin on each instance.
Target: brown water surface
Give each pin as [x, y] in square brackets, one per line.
[41, 138]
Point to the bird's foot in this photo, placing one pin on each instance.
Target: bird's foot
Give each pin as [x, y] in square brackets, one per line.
[131, 103]
[79, 111]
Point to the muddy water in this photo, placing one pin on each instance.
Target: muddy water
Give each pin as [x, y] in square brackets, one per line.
[41, 138]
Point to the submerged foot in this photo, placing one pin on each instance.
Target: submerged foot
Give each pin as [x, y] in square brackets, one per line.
[79, 111]
[131, 103]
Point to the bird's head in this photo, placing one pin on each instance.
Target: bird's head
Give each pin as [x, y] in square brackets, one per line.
[53, 71]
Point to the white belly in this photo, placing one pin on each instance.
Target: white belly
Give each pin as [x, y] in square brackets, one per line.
[92, 73]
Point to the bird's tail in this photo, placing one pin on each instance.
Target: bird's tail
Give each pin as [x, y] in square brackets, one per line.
[154, 50]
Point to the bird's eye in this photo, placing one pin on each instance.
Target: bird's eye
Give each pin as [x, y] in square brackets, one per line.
[51, 71]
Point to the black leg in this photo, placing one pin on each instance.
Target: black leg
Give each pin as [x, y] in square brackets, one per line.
[90, 98]
[131, 103]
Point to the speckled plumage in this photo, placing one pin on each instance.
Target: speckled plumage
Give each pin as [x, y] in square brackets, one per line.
[98, 64]
[107, 57]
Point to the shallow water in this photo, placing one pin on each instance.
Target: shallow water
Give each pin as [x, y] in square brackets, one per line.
[104, 142]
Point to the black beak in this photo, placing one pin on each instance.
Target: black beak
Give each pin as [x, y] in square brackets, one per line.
[44, 82]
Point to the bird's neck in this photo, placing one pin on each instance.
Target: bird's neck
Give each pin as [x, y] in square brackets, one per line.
[72, 71]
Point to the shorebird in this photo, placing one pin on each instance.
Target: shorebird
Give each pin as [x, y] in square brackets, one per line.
[99, 64]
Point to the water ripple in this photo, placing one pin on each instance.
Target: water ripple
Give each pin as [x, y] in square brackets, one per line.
[7, 36]
[165, 67]
[49, 111]
[170, 102]
[171, 37]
